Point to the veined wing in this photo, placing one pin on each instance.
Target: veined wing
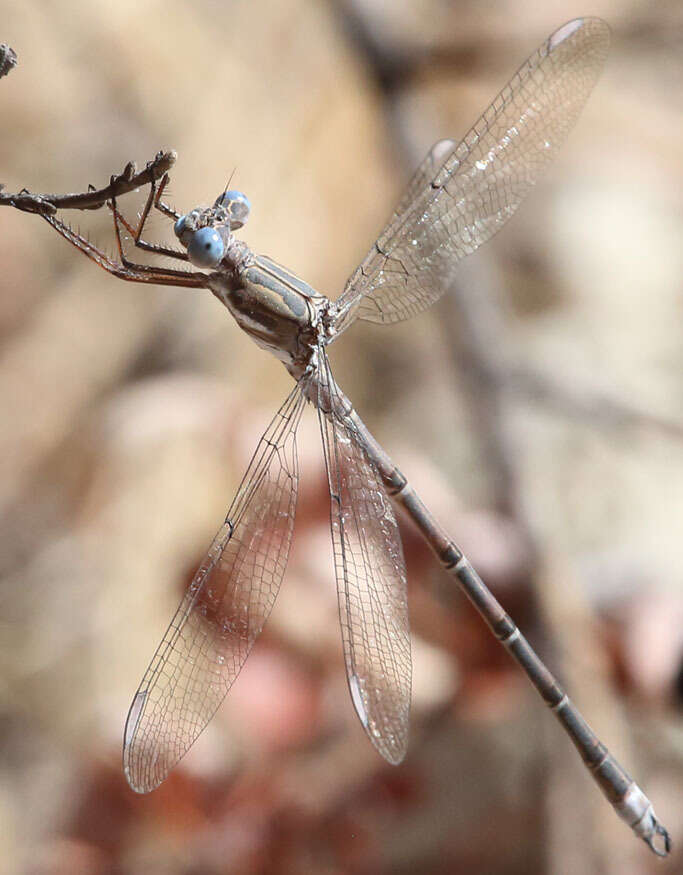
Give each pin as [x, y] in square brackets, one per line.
[222, 613]
[371, 581]
[477, 184]
[422, 178]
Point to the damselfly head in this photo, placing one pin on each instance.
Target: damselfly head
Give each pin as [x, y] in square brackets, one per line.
[201, 236]
[206, 231]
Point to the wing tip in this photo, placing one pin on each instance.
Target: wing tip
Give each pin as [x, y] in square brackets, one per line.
[141, 779]
[594, 26]
[389, 743]
[395, 756]
[137, 787]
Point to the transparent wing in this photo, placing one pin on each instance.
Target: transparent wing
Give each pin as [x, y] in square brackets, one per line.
[371, 583]
[222, 613]
[423, 176]
[477, 184]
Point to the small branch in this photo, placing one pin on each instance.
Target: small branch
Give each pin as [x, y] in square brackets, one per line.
[128, 180]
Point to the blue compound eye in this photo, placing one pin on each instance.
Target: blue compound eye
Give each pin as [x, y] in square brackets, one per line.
[238, 206]
[181, 232]
[206, 248]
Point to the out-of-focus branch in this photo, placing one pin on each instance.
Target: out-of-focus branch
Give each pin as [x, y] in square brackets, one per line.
[598, 407]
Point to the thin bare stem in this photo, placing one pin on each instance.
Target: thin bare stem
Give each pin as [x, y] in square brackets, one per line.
[128, 180]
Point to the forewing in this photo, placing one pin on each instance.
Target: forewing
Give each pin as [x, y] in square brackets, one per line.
[371, 585]
[479, 183]
[222, 612]
[422, 178]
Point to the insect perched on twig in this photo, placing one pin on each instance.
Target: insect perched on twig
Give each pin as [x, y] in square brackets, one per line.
[460, 196]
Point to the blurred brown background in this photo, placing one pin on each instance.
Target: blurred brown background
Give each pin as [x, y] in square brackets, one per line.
[547, 387]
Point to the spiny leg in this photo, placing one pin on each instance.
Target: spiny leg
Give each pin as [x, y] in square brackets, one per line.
[136, 233]
[160, 205]
[133, 266]
[126, 270]
[154, 199]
